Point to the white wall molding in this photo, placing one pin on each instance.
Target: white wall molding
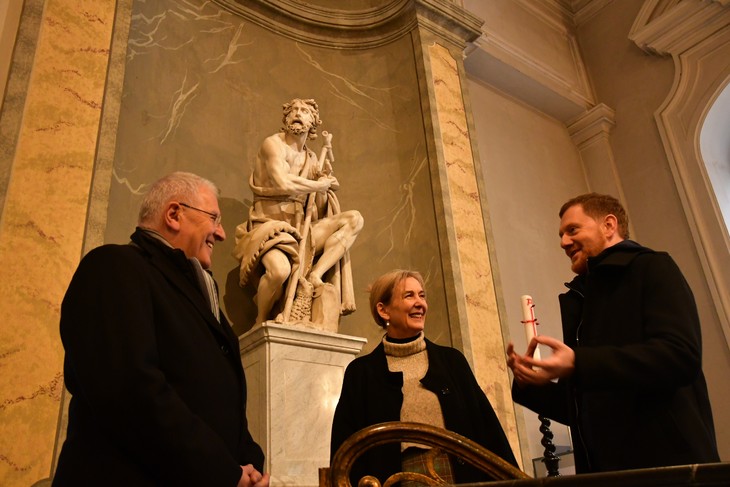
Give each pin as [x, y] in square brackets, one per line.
[671, 28]
[557, 83]
[697, 36]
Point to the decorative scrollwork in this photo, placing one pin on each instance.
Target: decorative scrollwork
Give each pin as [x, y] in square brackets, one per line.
[338, 474]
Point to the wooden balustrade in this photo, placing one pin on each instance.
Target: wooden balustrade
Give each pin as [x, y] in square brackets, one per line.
[504, 474]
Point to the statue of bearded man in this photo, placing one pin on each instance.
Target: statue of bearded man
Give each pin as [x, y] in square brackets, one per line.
[296, 233]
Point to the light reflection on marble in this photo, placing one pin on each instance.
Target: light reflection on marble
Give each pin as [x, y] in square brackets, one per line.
[484, 325]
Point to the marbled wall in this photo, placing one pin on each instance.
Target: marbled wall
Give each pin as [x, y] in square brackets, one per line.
[190, 85]
[202, 89]
[485, 332]
[54, 137]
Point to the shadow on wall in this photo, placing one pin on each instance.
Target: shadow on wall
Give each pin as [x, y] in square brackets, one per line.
[239, 305]
[237, 302]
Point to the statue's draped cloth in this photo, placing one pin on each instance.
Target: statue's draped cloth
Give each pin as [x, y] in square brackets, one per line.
[277, 222]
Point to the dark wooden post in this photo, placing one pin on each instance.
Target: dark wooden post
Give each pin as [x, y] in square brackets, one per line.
[550, 459]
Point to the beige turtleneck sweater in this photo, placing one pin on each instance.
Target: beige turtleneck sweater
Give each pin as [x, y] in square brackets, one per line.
[419, 404]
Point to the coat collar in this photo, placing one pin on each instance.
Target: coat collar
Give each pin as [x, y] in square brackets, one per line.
[433, 375]
[173, 264]
[620, 255]
[615, 256]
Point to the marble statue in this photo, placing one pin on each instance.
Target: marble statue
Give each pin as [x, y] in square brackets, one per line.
[294, 247]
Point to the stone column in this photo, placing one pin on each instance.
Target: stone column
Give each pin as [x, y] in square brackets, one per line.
[440, 38]
[49, 129]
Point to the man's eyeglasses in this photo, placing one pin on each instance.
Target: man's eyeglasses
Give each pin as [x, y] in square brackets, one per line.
[216, 217]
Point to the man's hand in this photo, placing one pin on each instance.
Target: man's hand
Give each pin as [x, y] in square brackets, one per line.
[528, 371]
[334, 184]
[517, 364]
[325, 184]
[250, 477]
[331, 182]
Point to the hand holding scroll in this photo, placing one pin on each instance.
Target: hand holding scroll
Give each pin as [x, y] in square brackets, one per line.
[530, 371]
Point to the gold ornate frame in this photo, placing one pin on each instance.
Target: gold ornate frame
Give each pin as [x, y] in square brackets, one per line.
[338, 473]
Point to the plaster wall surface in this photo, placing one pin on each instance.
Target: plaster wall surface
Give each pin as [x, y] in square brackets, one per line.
[635, 85]
[529, 49]
[530, 168]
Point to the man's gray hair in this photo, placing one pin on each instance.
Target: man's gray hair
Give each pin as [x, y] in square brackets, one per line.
[178, 186]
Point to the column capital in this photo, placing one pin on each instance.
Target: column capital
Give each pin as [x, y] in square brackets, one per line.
[596, 122]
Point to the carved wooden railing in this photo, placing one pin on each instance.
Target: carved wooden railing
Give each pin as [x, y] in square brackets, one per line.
[338, 473]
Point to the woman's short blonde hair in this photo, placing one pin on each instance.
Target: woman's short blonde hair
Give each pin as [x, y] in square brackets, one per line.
[381, 290]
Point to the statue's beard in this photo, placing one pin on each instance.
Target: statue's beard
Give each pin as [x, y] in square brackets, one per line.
[297, 128]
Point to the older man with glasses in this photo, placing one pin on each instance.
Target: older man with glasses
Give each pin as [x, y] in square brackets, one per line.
[158, 390]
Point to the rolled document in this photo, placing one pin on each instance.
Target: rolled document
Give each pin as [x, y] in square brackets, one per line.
[530, 322]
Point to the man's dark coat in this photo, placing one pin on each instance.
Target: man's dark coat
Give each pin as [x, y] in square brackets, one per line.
[372, 394]
[159, 393]
[638, 396]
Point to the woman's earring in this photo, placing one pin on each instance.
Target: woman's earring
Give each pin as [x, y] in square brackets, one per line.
[387, 324]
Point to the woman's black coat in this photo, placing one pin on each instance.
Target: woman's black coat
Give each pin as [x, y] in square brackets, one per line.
[372, 394]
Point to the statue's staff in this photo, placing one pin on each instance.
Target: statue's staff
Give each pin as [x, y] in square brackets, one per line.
[324, 165]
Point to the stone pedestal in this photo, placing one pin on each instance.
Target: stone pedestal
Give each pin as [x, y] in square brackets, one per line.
[294, 377]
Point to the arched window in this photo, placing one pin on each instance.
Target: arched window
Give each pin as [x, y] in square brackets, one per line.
[715, 150]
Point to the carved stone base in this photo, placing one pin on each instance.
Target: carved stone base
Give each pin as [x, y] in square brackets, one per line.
[294, 376]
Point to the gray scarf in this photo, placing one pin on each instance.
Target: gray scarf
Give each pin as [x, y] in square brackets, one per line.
[204, 278]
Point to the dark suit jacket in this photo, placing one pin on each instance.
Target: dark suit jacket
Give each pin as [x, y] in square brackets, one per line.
[159, 393]
[638, 397]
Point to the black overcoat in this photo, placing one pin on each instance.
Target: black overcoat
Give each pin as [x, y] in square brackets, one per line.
[638, 397]
[372, 394]
[158, 390]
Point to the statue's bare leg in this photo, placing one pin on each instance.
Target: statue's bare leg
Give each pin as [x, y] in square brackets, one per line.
[334, 236]
[271, 284]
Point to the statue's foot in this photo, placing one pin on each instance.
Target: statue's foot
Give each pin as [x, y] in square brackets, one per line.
[315, 280]
[348, 307]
